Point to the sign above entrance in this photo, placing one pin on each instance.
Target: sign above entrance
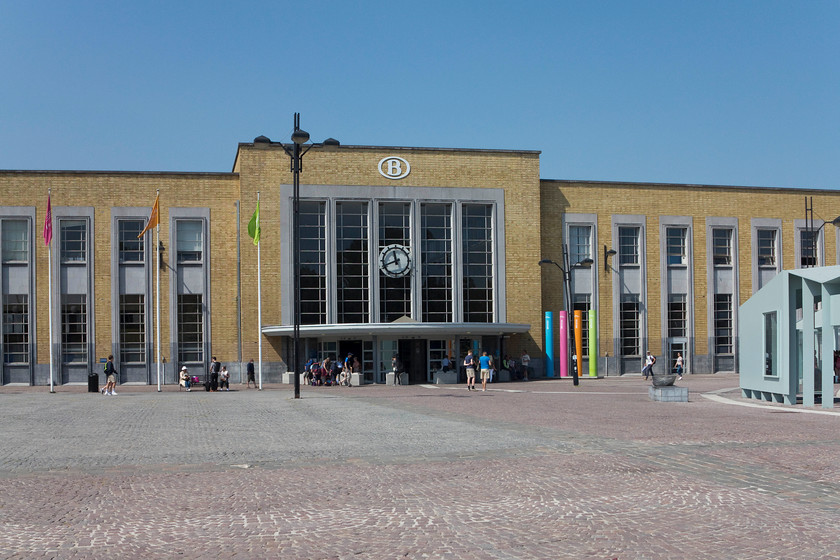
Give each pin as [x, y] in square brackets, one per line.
[394, 167]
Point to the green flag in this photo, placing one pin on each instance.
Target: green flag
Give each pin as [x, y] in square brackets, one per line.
[254, 225]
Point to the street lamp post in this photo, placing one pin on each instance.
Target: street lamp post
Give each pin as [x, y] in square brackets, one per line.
[567, 299]
[296, 152]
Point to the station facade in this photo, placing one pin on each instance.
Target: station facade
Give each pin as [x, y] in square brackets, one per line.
[419, 251]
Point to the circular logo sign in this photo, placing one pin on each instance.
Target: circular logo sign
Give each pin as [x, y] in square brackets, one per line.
[394, 167]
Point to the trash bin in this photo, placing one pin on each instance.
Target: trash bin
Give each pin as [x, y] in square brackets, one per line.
[93, 383]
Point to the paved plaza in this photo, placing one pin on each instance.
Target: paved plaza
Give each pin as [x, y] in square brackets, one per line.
[531, 470]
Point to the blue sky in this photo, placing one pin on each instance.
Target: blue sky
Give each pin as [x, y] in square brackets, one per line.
[714, 92]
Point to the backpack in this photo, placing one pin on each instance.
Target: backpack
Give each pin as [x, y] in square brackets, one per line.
[105, 369]
[652, 359]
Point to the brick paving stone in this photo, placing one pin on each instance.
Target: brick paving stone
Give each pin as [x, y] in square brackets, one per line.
[526, 470]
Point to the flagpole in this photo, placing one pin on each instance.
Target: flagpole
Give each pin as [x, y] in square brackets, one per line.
[157, 295]
[259, 302]
[49, 283]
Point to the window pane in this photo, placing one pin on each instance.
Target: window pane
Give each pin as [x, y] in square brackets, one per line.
[74, 328]
[628, 245]
[629, 325]
[15, 240]
[771, 345]
[73, 240]
[15, 329]
[808, 248]
[676, 243]
[189, 240]
[766, 247]
[722, 246]
[583, 304]
[132, 328]
[723, 323]
[579, 243]
[131, 248]
[677, 315]
[190, 328]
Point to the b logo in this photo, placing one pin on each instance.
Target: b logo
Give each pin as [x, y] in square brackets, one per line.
[394, 167]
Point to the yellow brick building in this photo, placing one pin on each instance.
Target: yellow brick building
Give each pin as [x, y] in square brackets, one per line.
[424, 252]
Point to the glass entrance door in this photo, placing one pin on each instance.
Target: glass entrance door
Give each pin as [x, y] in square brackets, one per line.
[676, 345]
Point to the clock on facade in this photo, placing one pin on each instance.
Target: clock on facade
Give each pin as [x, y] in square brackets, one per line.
[395, 261]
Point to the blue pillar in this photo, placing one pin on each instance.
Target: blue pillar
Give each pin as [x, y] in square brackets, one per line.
[549, 344]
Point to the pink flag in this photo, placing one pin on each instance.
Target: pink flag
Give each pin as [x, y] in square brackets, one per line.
[48, 222]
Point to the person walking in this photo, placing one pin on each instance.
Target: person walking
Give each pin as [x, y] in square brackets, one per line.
[110, 377]
[485, 363]
[678, 366]
[251, 375]
[650, 359]
[469, 365]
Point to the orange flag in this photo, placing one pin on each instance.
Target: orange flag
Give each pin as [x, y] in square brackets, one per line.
[154, 218]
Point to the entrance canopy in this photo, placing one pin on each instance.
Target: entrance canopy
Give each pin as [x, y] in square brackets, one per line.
[400, 329]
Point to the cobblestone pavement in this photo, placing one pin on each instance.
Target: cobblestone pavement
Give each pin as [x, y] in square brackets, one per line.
[525, 470]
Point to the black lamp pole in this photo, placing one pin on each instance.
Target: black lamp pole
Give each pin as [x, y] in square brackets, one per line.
[296, 152]
[567, 290]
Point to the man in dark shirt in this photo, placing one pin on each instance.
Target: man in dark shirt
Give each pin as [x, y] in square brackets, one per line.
[251, 376]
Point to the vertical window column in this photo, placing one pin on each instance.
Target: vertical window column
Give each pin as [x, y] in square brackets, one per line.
[313, 262]
[580, 236]
[352, 262]
[189, 284]
[722, 282]
[477, 250]
[394, 292]
[766, 250]
[436, 257]
[15, 295]
[629, 289]
[677, 294]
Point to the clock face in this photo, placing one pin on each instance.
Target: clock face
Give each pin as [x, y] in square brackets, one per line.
[395, 261]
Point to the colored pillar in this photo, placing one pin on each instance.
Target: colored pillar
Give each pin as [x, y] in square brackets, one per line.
[593, 344]
[563, 331]
[549, 344]
[579, 339]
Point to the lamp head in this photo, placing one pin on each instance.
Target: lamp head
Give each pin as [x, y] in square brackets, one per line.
[836, 222]
[586, 262]
[300, 137]
[545, 261]
[262, 142]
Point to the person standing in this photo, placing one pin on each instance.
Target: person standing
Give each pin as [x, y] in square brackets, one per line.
[525, 360]
[678, 366]
[215, 368]
[485, 363]
[110, 377]
[650, 359]
[251, 375]
[469, 365]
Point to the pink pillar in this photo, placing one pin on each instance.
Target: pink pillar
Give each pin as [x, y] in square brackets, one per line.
[563, 331]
